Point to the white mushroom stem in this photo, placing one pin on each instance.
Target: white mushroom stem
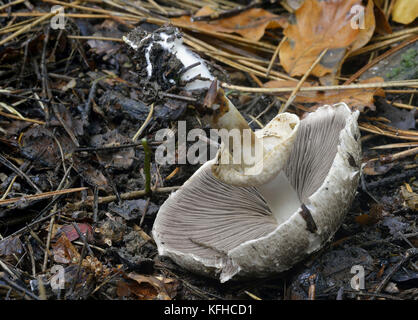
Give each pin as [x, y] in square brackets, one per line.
[281, 197]
[174, 44]
[188, 58]
[232, 119]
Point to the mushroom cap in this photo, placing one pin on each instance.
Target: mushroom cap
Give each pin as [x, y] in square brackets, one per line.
[216, 229]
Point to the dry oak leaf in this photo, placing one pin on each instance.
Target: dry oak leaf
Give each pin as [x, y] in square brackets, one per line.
[146, 287]
[250, 24]
[356, 99]
[64, 251]
[367, 24]
[405, 11]
[72, 233]
[318, 25]
[382, 23]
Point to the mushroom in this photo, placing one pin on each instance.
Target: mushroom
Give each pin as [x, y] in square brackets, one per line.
[220, 225]
[245, 216]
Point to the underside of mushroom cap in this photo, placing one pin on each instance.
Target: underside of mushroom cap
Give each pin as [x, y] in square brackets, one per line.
[225, 231]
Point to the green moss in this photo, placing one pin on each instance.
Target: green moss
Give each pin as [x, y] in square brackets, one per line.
[409, 62]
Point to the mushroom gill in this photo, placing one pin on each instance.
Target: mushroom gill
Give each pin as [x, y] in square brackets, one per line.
[314, 150]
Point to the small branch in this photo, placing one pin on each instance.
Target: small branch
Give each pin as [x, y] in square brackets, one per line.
[90, 98]
[273, 58]
[29, 26]
[42, 195]
[11, 4]
[372, 295]
[82, 256]
[48, 242]
[12, 116]
[19, 172]
[144, 125]
[95, 204]
[399, 155]
[393, 179]
[157, 6]
[319, 88]
[380, 58]
[147, 166]
[83, 238]
[65, 126]
[111, 148]
[379, 45]
[175, 96]
[124, 196]
[17, 287]
[95, 38]
[410, 253]
[185, 69]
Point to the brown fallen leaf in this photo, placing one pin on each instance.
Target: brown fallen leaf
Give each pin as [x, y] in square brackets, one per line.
[382, 23]
[376, 213]
[376, 168]
[147, 287]
[366, 27]
[364, 220]
[64, 251]
[72, 233]
[250, 24]
[405, 11]
[11, 246]
[321, 25]
[357, 99]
